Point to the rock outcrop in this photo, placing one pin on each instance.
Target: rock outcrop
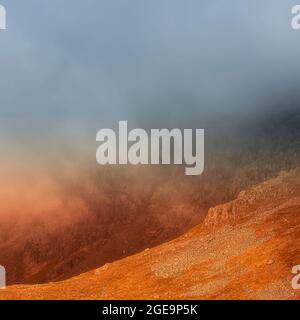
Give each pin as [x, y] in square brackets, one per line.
[268, 194]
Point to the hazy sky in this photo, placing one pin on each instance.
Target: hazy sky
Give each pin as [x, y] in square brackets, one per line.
[72, 67]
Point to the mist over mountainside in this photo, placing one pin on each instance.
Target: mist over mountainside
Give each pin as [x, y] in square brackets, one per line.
[100, 215]
[245, 249]
[71, 68]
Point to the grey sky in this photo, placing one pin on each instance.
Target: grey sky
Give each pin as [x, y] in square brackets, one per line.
[69, 65]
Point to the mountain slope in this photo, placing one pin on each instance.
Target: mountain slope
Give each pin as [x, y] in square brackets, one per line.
[245, 249]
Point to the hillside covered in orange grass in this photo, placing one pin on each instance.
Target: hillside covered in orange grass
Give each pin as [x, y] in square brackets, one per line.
[244, 249]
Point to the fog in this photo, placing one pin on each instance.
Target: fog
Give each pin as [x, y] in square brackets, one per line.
[70, 68]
